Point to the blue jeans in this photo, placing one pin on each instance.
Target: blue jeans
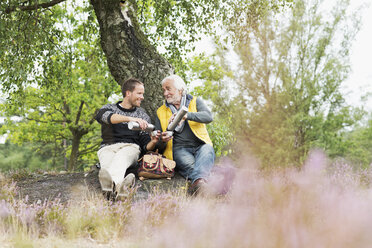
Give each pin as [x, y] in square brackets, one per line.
[194, 162]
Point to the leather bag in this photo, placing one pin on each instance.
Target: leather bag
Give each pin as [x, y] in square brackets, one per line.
[154, 165]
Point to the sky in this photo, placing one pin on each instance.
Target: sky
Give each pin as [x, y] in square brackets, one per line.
[360, 79]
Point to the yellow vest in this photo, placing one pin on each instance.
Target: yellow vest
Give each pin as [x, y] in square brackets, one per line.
[199, 129]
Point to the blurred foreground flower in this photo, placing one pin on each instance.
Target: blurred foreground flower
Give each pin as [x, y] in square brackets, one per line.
[284, 208]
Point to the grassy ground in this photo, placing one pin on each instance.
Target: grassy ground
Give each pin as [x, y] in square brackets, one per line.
[321, 205]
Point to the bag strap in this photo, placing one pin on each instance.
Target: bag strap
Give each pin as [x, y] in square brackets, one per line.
[156, 152]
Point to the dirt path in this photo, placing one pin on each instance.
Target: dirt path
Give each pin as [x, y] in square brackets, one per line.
[69, 186]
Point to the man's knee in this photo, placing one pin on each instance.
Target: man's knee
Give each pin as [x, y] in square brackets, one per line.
[207, 151]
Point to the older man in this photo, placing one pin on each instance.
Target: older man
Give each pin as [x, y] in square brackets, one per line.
[190, 145]
[121, 147]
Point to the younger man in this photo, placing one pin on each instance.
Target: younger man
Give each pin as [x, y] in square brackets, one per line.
[121, 147]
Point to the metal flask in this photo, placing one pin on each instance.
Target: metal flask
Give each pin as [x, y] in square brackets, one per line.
[180, 114]
[132, 125]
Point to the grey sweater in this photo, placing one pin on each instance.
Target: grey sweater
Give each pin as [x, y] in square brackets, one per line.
[120, 133]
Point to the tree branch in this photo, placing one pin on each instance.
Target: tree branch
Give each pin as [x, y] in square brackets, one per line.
[34, 7]
[89, 149]
[93, 118]
[79, 112]
[37, 120]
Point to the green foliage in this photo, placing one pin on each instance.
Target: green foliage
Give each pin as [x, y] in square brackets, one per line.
[287, 100]
[213, 90]
[359, 149]
[72, 84]
[14, 157]
[28, 30]
[26, 36]
[221, 136]
[175, 26]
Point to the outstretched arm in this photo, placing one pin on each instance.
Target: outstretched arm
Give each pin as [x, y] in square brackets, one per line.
[203, 115]
[116, 118]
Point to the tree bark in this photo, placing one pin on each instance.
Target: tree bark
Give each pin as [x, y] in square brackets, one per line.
[77, 134]
[128, 51]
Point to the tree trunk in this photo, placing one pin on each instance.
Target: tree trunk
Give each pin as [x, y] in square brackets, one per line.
[77, 134]
[128, 51]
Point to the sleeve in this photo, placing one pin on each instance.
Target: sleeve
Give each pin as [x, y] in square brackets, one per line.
[157, 124]
[203, 114]
[144, 137]
[143, 115]
[160, 145]
[104, 115]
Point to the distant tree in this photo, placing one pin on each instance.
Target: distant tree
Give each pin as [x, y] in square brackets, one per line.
[14, 157]
[359, 145]
[291, 66]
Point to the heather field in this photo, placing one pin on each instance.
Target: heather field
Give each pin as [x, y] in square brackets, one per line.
[321, 205]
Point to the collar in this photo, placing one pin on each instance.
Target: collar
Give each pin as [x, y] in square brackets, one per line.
[188, 100]
[124, 109]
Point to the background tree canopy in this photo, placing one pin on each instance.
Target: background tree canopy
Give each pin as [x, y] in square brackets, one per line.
[59, 107]
[286, 98]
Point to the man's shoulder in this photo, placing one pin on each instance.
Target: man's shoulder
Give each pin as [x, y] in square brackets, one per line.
[198, 100]
[109, 106]
[142, 113]
[142, 110]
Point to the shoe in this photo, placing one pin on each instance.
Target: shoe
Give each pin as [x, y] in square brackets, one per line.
[122, 189]
[198, 187]
[105, 180]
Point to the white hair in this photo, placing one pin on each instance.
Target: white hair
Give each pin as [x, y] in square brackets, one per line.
[177, 82]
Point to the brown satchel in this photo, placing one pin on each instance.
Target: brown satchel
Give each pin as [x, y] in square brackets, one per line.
[155, 165]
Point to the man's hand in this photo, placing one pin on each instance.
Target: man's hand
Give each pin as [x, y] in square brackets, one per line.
[183, 119]
[171, 118]
[174, 115]
[143, 124]
[166, 136]
[156, 137]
